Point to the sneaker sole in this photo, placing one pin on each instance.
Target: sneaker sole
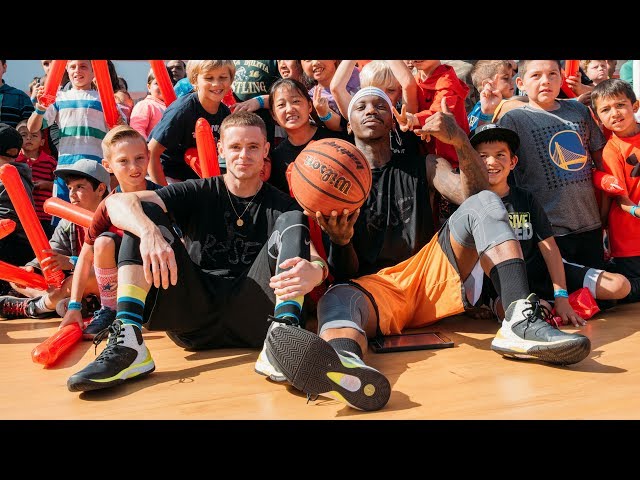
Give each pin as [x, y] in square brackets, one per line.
[314, 367]
[564, 353]
[77, 383]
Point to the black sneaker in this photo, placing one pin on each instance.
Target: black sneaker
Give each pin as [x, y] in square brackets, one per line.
[125, 356]
[13, 307]
[525, 333]
[101, 320]
[316, 368]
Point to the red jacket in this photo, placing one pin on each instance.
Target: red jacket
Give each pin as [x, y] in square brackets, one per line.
[442, 83]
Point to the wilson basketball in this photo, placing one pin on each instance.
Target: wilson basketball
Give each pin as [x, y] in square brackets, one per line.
[330, 174]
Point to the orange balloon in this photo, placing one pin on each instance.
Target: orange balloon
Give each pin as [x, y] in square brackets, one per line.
[207, 152]
[18, 275]
[191, 159]
[164, 82]
[7, 226]
[52, 83]
[80, 216]
[105, 89]
[29, 219]
[49, 351]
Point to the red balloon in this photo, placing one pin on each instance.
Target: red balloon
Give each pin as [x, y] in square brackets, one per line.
[229, 100]
[49, 351]
[52, 83]
[10, 177]
[105, 89]
[18, 275]
[207, 152]
[191, 159]
[7, 226]
[164, 82]
[571, 68]
[80, 216]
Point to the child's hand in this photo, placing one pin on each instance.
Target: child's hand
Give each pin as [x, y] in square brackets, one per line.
[250, 105]
[39, 93]
[565, 311]
[577, 87]
[70, 317]
[405, 120]
[55, 262]
[320, 103]
[489, 98]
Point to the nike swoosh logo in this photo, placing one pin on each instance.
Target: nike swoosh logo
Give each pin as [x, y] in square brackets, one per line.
[307, 242]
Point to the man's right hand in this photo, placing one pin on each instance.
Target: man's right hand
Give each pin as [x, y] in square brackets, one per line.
[339, 228]
[444, 127]
[158, 259]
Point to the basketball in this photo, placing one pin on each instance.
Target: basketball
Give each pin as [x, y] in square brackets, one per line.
[330, 174]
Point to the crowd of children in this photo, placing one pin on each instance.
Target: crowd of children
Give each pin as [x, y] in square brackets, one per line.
[444, 173]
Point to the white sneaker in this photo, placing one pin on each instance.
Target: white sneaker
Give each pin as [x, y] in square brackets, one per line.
[263, 366]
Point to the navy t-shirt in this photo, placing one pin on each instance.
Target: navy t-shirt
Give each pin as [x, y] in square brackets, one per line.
[176, 132]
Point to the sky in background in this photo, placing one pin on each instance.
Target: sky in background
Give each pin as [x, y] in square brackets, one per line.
[21, 72]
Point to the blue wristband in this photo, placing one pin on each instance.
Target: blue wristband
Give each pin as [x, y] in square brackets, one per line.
[485, 117]
[40, 112]
[561, 293]
[326, 117]
[260, 101]
[73, 259]
[633, 210]
[74, 306]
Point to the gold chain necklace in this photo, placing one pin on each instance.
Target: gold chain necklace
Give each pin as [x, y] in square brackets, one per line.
[239, 221]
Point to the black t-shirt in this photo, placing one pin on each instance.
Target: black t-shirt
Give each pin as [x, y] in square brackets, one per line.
[286, 152]
[396, 220]
[531, 225]
[215, 242]
[176, 132]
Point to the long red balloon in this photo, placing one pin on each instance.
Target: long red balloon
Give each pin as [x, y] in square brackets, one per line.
[29, 219]
[164, 82]
[80, 216]
[7, 226]
[571, 68]
[105, 89]
[18, 275]
[191, 159]
[52, 83]
[207, 153]
[49, 351]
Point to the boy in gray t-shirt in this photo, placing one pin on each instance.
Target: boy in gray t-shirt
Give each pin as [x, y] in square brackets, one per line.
[560, 143]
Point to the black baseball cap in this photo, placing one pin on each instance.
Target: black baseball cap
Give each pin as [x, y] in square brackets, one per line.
[10, 141]
[491, 132]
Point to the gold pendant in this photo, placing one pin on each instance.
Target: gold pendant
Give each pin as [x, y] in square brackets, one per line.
[239, 222]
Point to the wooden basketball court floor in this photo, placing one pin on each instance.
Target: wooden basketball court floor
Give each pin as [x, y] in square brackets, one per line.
[469, 381]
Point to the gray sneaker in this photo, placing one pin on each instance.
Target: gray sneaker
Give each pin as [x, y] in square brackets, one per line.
[525, 333]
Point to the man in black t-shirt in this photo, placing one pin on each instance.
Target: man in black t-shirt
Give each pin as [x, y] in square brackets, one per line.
[198, 258]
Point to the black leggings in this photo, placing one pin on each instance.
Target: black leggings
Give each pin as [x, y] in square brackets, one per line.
[208, 311]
